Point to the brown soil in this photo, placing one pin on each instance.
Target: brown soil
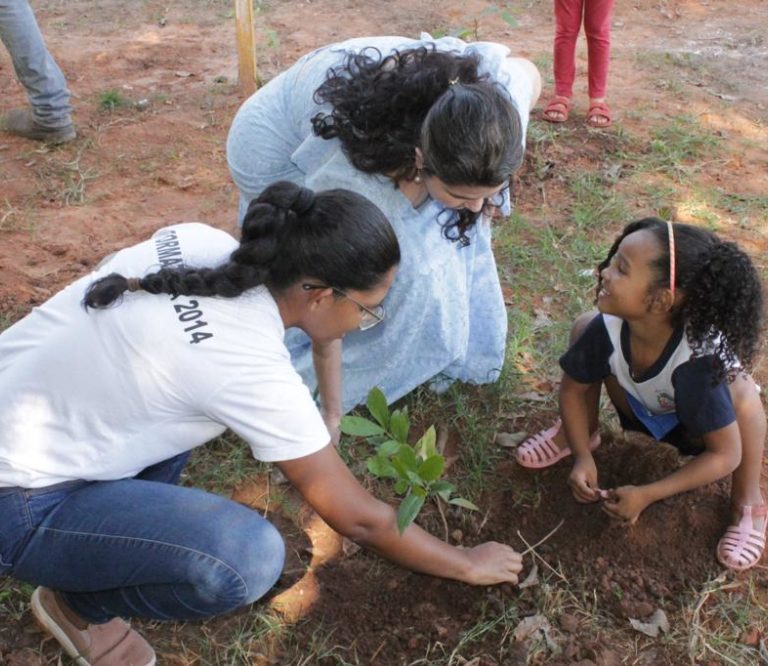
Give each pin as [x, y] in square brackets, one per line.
[135, 169]
[632, 571]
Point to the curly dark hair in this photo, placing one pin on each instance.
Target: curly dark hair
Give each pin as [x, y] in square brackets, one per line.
[722, 305]
[289, 232]
[466, 126]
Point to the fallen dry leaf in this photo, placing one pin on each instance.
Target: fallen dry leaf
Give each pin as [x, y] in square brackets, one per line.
[532, 396]
[658, 622]
[276, 477]
[531, 579]
[530, 626]
[543, 320]
[509, 440]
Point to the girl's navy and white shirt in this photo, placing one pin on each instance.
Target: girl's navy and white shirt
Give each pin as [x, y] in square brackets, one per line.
[104, 394]
[678, 387]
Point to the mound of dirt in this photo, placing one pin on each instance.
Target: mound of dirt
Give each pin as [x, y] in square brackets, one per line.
[388, 616]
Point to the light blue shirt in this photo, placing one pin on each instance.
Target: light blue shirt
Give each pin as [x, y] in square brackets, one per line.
[445, 312]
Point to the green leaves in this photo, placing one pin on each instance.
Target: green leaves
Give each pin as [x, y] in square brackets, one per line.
[425, 447]
[510, 20]
[380, 467]
[360, 427]
[377, 406]
[463, 503]
[432, 468]
[416, 470]
[408, 510]
[399, 425]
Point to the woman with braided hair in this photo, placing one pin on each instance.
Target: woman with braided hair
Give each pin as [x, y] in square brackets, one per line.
[431, 131]
[180, 338]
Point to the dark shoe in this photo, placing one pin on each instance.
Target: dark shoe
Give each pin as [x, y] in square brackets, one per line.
[21, 122]
[110, 644]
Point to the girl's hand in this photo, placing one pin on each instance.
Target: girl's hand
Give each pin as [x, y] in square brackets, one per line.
[583, 479]
[493, 563]
[626, 503]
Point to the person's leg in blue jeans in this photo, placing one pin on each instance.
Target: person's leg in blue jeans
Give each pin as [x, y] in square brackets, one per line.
[50, 117]
[137, 548]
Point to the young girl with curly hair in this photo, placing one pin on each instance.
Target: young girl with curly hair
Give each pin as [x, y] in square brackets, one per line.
[430, 130]
[679, 321]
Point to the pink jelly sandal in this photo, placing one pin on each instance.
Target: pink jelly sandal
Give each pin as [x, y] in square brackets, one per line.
[742, 545]
[540, 451]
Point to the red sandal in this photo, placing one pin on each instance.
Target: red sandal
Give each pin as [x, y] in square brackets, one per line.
[560, 105]
[742, 545]
[540, 451]
[599, 115]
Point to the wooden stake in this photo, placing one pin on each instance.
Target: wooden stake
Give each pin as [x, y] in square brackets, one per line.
[246, 46]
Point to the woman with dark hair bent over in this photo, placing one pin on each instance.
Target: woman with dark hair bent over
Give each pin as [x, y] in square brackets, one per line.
[431, 131]
[99, 409]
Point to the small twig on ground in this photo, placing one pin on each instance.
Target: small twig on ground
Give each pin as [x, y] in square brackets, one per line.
[378, 649]
[266, 504]
[484, 521]
[540, 541]
[697, 627]
[442, 439]
[442, 515]
[531, 549]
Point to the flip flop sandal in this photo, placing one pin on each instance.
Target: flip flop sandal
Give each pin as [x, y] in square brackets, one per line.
[558, 104]
[597, 112]
[540, 451]
[742, 545]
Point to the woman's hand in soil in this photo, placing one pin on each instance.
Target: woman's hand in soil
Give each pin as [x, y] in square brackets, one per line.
[627, 503]
[583, 479]
[337, 496]
[493, 563]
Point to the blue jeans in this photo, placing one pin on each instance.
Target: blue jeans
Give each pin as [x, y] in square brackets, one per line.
[34, 65]
[140, 547]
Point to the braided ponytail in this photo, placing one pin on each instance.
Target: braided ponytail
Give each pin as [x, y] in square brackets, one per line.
[289, 232]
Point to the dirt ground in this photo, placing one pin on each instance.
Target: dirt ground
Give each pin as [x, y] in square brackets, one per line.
[158, 157]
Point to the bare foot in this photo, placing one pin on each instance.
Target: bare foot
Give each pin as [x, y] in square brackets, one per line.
[557, 109]
[599, 115]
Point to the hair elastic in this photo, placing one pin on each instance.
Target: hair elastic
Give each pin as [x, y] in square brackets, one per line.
[134, 284]
[671, 234]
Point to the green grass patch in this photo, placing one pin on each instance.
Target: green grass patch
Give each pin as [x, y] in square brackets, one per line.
[677, 148]
[222, 464]
[112, 99]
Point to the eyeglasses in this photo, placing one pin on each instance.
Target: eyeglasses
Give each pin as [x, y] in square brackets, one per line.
[369, 317]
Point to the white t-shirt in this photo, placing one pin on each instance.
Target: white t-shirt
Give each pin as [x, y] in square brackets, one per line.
[103, 394]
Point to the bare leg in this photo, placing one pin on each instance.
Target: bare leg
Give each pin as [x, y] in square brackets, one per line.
[750, 418]
[593, 394]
